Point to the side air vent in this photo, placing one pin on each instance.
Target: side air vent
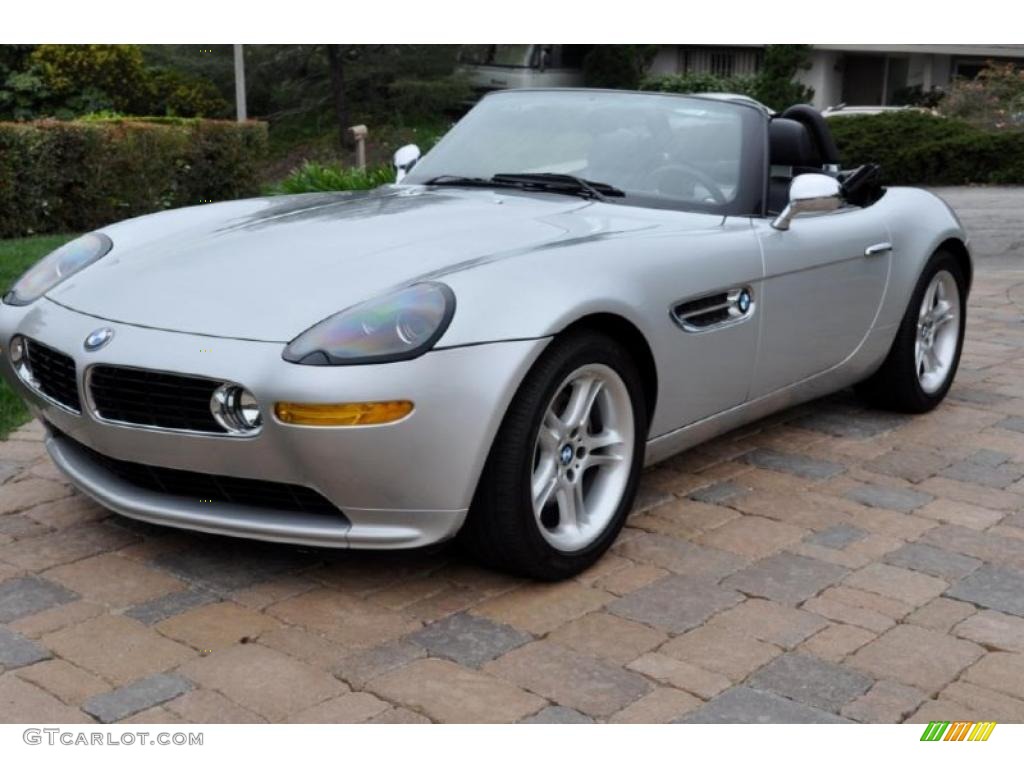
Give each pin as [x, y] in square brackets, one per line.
[716, 310]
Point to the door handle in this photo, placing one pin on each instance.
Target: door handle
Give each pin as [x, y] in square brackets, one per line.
[878, 249]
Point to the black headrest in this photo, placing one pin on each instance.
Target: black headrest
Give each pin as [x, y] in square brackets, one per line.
[790, 144]
[818, 127]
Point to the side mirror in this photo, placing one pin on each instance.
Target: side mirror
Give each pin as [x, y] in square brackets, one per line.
[810, 193]
[404, 160]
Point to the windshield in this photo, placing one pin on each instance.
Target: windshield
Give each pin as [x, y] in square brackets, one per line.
[660, 150]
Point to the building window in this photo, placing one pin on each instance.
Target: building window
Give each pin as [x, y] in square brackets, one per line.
[722, 64]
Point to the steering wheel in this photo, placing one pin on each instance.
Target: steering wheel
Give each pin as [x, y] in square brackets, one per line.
[702, 178]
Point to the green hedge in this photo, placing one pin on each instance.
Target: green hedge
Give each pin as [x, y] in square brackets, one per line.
[75, 176]
[923, 149]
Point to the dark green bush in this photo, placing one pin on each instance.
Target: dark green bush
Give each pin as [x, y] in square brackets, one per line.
[923, 149]
[415, 100]
[701, 82]
[76, 176]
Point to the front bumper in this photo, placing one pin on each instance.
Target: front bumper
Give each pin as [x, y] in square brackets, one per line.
[398, 485]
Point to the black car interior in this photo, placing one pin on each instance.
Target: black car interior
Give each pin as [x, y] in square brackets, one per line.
[799, 141]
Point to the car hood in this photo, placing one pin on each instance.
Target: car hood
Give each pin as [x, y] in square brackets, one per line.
[268, 268]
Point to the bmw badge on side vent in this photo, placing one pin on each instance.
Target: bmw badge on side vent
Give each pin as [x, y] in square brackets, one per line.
[98, 339]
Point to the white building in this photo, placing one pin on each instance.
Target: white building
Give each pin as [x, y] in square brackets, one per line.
[857, 75]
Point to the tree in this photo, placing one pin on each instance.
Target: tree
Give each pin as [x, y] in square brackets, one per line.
[776, 85]
[617, 66]
[336, 71]
[118, 72]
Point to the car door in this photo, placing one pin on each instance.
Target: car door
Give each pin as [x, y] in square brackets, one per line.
[825, 278]
[701, 293]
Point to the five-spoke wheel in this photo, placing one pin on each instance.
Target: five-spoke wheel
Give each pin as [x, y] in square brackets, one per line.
[582, 457]
[564, 468]
[925, 354]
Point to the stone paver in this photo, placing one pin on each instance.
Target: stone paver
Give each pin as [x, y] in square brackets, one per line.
[593, 686]
[886, 702]
[142, 694]
[216, 625]
[1001, 589]
[23, 702]
[786, 578]
[999, 671]
[837, 641]
[829, 563]
[721, 650]
[817, 683]
[541, 608]
[558, 716]
[900, 499]
[114, 580]
[933, 561]
[21, 597]
[263, 680]
[608, 637]
[117, 648]
[160, 608]
[681, 674]
[747, 705]
[837, 537]
[994, 630]
[18, 651]
[469, 640]
[69, 683]
[915, 656]
[792, 463]
[662, 705]
[896, 583]
[675, 603]
[449, 693]
[766, 620]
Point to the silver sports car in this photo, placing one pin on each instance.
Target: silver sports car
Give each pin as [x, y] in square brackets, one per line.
[571, 284]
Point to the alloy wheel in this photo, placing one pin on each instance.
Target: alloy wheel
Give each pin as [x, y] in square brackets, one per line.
[938, 332]
[582, 457]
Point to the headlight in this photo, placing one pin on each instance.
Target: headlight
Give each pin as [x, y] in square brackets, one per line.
[58, 266]
[398, 326]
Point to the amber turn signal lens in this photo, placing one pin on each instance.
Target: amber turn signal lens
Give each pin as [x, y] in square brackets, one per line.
[342, 414]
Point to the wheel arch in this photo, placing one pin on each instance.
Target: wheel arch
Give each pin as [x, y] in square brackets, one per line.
[958, 248]
[633, 340]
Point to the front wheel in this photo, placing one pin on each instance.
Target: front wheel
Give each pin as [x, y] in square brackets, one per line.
[924, 357]
[563, 471]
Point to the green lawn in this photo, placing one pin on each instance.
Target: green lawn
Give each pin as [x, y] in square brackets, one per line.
[15, 257]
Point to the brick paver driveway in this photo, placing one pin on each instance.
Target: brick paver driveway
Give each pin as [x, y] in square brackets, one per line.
[830, 563]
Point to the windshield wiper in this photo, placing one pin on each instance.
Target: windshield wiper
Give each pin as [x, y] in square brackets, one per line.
[468, 181]
[562, 182]
[547, 182]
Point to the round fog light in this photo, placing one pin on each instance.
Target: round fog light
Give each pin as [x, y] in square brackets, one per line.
[235, 408]
[17, 351]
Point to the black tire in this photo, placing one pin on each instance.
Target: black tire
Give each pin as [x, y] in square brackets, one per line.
[501, 530]
[895, 386]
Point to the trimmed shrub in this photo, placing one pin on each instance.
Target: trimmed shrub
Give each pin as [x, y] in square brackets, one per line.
[924, 149]
[76, 176]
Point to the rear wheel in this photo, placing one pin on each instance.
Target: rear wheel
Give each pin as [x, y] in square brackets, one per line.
[924, 357]
[563, 471]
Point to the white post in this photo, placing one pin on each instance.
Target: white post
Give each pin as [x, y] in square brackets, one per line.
[240, 110]
[358, 135]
